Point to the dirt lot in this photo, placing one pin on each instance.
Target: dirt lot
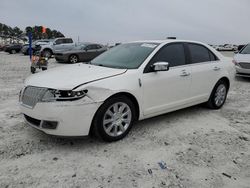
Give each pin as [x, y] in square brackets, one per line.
[199, 147]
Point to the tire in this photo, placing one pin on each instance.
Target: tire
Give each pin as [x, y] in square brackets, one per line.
[113, 130]
[44, 68]
[218, 95]
[47, 53]
[73, 59]
[13, 51]
[32, 70]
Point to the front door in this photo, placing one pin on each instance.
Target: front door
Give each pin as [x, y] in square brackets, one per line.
[166, 90]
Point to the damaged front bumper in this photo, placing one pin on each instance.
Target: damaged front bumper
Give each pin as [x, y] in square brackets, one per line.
[69, 118]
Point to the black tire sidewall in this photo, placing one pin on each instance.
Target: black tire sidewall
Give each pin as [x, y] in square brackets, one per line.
[98, 119]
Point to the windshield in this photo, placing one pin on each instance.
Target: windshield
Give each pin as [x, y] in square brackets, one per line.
[125, 56]
[245, 50]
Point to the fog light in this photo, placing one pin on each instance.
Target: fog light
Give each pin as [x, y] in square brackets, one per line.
[49, 124]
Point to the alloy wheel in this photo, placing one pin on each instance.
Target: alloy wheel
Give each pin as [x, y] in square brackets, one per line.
[73, 59]
[220, 95]
[117, 119]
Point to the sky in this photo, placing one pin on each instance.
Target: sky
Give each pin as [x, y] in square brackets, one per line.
[111, 21]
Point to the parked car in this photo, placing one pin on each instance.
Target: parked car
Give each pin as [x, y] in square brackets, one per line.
[82, 53]
[242, 62]
[35, 46]
[57, 45]
[226, 47]
[13, 48]
[130, 82]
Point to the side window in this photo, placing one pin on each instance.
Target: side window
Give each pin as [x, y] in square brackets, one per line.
[212, 56]
[174, 54]
[59, 41]
[199, 53]
[99, 46]
[68, 41]
[91, 47]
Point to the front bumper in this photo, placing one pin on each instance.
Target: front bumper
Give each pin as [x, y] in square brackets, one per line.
[71, 118]
[242, 72]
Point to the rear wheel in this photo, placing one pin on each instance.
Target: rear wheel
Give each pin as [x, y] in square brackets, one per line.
[73, 59]
[114, 119]
[13, 51]
[44, 68]
[218, 95]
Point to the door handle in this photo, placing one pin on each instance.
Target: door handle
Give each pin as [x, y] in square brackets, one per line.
[216, 68]
[184, 73]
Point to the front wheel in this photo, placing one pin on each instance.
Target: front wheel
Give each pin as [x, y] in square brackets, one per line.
[218, 95]
[114, 119]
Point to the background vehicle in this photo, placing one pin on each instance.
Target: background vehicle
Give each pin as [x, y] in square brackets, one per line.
[242, 62]
[132, 81]
[82, 53]
[58, 44]
[226, 47]
[13, 48]
[35, 46]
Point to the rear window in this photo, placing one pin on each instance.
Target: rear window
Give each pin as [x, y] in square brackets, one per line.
[199, 53]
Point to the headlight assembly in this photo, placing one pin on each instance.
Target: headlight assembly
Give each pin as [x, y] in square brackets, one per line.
[63, 95]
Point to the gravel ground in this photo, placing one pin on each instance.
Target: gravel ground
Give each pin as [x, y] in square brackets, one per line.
[194, 147]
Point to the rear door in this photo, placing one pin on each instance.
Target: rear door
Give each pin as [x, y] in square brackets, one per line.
[57, 46]
[166, 90]
[205, 67]
[68, 44]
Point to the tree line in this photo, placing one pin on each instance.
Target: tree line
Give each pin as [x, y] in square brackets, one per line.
[15, 32]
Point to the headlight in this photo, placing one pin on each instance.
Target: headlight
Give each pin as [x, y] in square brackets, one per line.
[63, 95]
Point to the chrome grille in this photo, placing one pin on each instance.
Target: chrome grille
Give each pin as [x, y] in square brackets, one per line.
[32, 95]
[245, 65]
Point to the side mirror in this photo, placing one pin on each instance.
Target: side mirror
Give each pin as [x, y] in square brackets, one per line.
[236, 52]
[160, 66]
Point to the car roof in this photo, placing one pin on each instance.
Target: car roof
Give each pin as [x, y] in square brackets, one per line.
[166, 41]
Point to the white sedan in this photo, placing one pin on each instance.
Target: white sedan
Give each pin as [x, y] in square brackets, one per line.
[130, 82]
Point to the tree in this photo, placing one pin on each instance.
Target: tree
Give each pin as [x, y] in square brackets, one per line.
[37, 32]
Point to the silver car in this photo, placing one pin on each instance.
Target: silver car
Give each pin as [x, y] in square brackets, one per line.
[82, 53]
[242, 62]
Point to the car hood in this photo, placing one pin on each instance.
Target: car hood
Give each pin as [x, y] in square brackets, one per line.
[242, 58]
[68, 77]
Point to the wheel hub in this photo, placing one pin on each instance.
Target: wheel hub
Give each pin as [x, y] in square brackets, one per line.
[117, 119]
